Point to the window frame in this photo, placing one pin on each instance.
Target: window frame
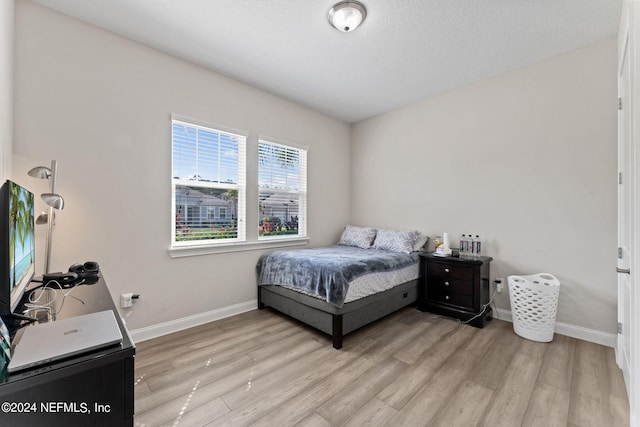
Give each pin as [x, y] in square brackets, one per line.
[301, 193]
[240, 186]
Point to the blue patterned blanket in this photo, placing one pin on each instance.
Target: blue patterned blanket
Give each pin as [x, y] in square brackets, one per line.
[326, 272]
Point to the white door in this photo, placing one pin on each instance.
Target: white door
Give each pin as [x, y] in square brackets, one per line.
[625, 215]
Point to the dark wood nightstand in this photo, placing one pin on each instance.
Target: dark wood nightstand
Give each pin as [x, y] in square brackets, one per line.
[456, 287]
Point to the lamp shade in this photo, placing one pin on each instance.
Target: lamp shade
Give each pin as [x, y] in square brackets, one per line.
[346, 16]
[42, 218]
[41, 172]
[54, 200]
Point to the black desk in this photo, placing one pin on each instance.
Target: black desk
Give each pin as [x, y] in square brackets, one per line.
[93, 389]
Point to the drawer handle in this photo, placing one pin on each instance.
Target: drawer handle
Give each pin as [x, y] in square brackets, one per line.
[446, 283]
[446, 270]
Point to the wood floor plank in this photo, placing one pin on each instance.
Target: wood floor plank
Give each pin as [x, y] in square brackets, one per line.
[374, 413]
[254, 329]
[410, 368]
[316, 388]
[204, 366]
[307, 399]
[434, 395]
[211, 391]
[549, 407]
[340, 407]
[399, 392]
[228, 379]
[181, 386]
[557, 366]
[591, 386]
[588, 378]
[181, 411]
[200, 416]
[484, 339]
[514, 392]
[466, 406]
[313, 420]
[410, 353]
[491, 368]
[586, 410]
[303, 394]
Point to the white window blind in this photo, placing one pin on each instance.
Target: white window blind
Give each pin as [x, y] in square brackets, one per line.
[208, 177]
[282, 190]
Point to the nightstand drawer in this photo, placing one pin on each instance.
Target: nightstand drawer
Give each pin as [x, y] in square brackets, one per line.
[450, 285]
[453, 298]
[448, 270]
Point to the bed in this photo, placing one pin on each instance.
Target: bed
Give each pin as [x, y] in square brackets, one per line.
[369, 274]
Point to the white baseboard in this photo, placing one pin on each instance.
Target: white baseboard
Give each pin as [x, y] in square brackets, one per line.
[573, 331]
[154, 331]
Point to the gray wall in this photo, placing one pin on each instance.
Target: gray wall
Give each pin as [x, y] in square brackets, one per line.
[526, 159]
[101, 105]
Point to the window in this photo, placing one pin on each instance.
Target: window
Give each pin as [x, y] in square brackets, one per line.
[282, 189]
[208, 170]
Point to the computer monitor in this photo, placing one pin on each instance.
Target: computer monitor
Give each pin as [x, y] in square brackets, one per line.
[17, 245]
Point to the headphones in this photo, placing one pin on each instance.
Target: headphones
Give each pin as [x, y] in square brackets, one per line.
[86, 273]
[88, 270]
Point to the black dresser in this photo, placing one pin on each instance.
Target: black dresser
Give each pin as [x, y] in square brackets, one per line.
[92, 389]
[456, 287]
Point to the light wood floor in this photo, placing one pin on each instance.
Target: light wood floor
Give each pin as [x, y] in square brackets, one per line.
[409, 369]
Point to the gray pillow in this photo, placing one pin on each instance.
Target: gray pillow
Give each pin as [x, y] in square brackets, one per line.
[360, 237]
[396, 240]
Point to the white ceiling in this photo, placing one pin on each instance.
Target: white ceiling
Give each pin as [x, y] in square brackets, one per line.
[406, 50]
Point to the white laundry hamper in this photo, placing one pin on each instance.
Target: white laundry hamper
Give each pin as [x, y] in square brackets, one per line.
[534, 303]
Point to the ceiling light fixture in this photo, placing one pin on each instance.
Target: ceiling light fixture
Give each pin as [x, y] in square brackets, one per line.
[346, 16]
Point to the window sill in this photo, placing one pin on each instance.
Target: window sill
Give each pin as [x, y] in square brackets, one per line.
[236, 247]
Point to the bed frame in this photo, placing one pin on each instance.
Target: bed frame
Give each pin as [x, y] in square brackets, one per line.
[334, 321]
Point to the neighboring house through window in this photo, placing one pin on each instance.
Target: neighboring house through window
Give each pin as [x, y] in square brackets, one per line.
[208, 178]
[282, 189]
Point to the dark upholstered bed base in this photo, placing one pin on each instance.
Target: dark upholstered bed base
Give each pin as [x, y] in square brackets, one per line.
[334, 321]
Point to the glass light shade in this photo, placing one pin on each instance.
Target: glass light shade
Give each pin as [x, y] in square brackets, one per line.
[347, 16]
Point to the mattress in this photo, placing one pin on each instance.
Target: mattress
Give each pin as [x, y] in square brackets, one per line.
[327, 272]
[372, 283]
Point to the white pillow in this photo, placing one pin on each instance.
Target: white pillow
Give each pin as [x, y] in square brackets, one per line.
[360, 237]
[396, 240]
[420, 242]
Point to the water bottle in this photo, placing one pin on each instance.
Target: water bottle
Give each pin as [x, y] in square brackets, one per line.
[463, 239]
[478, 246]
[472, 246]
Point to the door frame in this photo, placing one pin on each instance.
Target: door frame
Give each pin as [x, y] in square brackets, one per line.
[629, 38]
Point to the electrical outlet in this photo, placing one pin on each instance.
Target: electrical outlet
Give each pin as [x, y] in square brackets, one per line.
[126, 300]
[499, 284]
